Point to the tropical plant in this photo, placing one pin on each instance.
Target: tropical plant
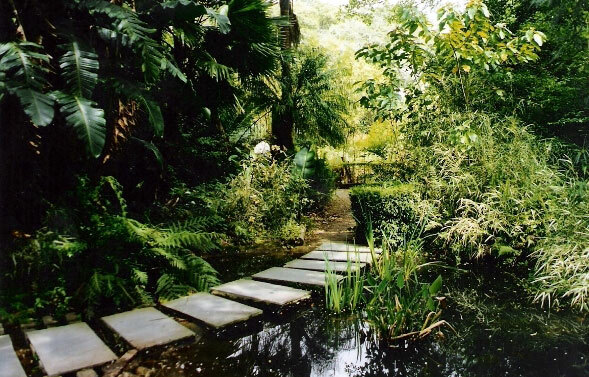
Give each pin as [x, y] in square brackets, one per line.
[88, 78]
[308, 97]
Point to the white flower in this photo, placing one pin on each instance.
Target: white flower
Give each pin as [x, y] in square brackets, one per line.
[262, 147]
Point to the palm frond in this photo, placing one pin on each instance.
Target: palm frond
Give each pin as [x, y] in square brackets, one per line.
[216, 70]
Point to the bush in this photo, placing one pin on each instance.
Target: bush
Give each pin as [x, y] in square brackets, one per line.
[388, 209]
[92, 254]
[492, 188]
[264, 197]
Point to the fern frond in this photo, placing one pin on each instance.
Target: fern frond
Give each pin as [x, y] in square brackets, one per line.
[168, 288]
[172, 258]
[186, 239]
[144, 297]
[140, 277]
[202, 275]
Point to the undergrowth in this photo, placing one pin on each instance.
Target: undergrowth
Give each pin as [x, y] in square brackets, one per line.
[92, 256]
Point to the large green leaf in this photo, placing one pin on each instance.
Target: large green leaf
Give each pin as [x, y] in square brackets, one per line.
[79, 68]
[21, 62]
[304, 162]
[154, 114]
[436, 285]
[38, 106]
[23, 74]
[179, 10]
[221, 19]
[86, 119]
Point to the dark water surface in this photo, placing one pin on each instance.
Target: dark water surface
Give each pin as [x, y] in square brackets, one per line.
[499, 333]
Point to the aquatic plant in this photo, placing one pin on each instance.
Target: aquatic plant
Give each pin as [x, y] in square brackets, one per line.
[399, 305]
[391, 296]
[345, 294]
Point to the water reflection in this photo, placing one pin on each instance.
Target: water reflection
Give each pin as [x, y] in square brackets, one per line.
[498, 334]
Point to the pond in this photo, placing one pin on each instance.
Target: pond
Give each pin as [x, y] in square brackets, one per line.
[498, 333]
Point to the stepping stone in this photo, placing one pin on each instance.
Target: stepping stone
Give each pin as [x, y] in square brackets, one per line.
[321, 265]
[9, 363]
[146, 327]
[66, 349]
[215, 311]
[288, 275]
[339, 256]
[258, 291]
[344, 246]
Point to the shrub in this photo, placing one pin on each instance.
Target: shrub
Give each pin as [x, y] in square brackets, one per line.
[263, 197]
[92, 252]
[389, 209]
[492, 188]
[292, 233]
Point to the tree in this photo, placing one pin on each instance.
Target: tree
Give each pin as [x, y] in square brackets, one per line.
[282, 121]
[309, 98]
[450, 57]
[83, 79]
[552, 93]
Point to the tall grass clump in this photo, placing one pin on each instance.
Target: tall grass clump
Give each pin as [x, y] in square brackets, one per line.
[399, 305]
[344, 294]
[391, 296]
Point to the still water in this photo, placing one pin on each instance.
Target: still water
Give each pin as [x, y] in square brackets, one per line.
[497, 333]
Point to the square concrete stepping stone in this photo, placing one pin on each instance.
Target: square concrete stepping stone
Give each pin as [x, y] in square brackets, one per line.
[215, 311]
[261, 292]
[146, 327]
[345, 246]
[9, 363]
[321, 265]
[339, 256]
[290, 275]
[66, 349]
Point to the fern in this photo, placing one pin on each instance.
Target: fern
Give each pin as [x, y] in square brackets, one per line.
[172, 258]
[140, 277]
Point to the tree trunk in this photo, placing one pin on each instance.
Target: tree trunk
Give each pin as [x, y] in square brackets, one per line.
[282, 121]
